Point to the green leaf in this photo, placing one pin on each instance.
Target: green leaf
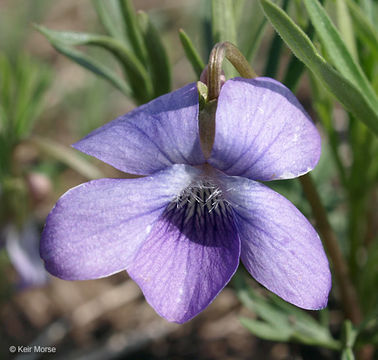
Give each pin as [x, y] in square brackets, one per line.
[109, 15]
[292, 34]
[223, 21]
[363, 27]
[296, 67]
[136, 73]
[293, 74]
[133, 30]
[224, 28]
[206, 28]
[265, 331]
[349, 334]
[30, 104]
[23, 83]
[305, 328]
[349, 338]
[347, 354]
[279, 317]
[346, 92]
[255, 22]
[274, 57]
[158, 62]
[191, 53]
[337, 51]
[255, 41]
[67, 156]
[96, 67]
[346, 27]
[370, 10]
[259, 305]
[239, 6]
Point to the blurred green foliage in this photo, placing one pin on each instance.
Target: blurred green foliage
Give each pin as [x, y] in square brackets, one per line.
[23, 83]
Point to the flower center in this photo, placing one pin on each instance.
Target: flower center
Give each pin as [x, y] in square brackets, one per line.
[205, 194]
[199, 203]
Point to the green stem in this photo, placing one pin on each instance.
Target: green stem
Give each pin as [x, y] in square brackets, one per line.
[348, 292]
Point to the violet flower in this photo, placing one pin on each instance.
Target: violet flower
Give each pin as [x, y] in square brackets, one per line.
[181, 230]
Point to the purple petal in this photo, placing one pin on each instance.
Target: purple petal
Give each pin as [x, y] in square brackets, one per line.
[151, 137]
[263, 132]
[188, 258]
[22, 247]
[96, 228]
[279, 247]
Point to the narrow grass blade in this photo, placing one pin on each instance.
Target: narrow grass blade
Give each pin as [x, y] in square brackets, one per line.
[223, 21]
[346, 27]
[363, 27]
[110, 19]
[133, 30]
[191, 53]
[158, 62]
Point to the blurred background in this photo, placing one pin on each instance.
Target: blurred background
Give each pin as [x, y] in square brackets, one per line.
[51, 102]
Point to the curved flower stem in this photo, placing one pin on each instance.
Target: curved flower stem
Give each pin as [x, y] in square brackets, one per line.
[235, 57]
[219, 52]
[348, 292]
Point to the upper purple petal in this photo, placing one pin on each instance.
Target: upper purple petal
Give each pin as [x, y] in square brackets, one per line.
[190, 255]
[263, 132]
[151, 137]
[279, 247]
[96, 228]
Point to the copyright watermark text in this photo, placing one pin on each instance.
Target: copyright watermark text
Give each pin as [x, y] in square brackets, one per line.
[32, 349]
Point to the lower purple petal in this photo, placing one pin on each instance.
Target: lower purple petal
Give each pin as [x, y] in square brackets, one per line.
[189, 256]
[96, 228]
[279, 247]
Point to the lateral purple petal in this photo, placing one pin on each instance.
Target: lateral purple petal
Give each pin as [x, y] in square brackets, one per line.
[96, 228]
[188, 258]
[279, 247]
[151, 137]
[263, 132]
